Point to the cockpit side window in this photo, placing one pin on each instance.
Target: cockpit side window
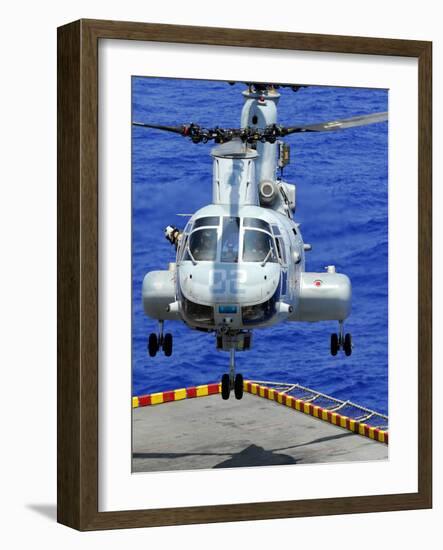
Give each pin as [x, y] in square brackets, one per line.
[182, 247]
[203, 245]
[281, 249]
[230, 239]
[258, 247]
[276, 230]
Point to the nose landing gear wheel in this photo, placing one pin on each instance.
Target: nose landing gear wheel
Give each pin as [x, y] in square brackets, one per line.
[238, 386]
[225, 386]
[153, 345]
[347, 345]
[334, 344]
[167, 344]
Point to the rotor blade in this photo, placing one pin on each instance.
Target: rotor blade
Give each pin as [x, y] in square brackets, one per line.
[339, 124]
[197, 134]
[174, 129]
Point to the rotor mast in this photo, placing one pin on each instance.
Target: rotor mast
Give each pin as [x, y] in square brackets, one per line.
[240, 167]
[260, 111]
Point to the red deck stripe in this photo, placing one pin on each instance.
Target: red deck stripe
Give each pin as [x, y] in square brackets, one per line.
[213, 388]
[144, 400]
[168, 396]
[191, 392]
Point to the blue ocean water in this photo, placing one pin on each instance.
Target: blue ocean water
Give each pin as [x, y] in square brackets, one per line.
[342, 205]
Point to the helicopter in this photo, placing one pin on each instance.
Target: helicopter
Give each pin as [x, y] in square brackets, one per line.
[240, 261]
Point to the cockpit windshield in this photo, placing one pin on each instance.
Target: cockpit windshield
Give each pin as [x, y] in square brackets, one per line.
[207, 221]
[230, 239]
[256, 223]
[211, 242]
[258, 247]
[203, 245]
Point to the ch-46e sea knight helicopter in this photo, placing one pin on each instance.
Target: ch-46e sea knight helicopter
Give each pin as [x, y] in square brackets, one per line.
[240, 261]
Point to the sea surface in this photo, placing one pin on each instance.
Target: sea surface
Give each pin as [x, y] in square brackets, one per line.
[342, 205]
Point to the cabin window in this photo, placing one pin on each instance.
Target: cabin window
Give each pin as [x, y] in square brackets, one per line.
[203, 245]
[276, 230]
[258, 247]
[230, 239]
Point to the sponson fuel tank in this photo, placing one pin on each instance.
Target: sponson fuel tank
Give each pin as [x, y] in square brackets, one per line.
[158, 292]
[323, 297]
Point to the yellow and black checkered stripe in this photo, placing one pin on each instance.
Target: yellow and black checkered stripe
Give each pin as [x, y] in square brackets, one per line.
[318, 412]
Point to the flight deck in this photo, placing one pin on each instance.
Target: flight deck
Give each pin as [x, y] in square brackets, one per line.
[274, 424]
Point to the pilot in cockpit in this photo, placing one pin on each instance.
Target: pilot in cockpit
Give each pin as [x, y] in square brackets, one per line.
[204, 244]
[230, 253]
[257, 246]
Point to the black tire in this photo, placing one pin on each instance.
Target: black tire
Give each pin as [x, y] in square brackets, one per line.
[167, 344]
[334, 344]
[225, 387]
[238, 386]
[347, 345]
[152, 344]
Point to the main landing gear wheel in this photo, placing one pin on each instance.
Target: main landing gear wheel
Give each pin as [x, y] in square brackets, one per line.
[157, 341]
[347, 345]
[334, 344]
[167, 344]
[341, 341]
[153, 345]
[232, 381]
[238, 386]
[225, 386]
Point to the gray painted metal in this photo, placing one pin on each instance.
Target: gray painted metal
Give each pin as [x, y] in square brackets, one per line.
[332, 303]
[158, 293]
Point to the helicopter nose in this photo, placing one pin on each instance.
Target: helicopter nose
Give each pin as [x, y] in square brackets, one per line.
[229, 284]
